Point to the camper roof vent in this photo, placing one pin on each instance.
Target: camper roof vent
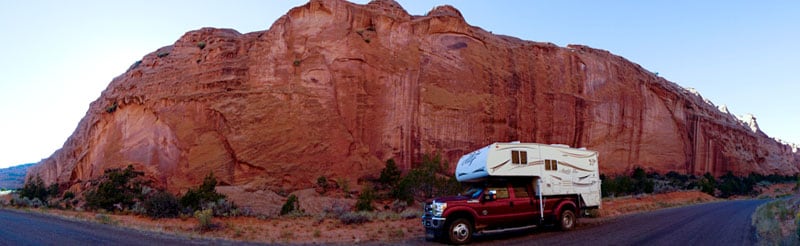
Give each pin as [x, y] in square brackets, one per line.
[560, 145]
[514, 142]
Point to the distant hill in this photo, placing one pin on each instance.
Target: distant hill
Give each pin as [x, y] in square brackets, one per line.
[14, 177]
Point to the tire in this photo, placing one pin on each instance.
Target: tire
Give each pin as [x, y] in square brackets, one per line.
[459, 231]
[567, 220]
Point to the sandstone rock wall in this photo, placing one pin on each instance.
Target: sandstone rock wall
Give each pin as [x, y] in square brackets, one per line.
[335, 89]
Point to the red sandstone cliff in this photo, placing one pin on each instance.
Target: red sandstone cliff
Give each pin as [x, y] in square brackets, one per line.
[335, 89]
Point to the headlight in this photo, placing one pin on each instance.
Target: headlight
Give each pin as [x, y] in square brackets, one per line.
[438, 208]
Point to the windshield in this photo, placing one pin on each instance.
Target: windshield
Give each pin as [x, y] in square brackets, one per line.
[473, 191]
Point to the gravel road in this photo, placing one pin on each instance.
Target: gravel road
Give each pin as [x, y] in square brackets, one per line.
[19, 228]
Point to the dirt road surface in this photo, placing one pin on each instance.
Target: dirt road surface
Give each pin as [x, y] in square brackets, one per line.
[19, 228]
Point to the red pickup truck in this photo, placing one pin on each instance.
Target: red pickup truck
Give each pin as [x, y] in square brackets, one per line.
[495, 206]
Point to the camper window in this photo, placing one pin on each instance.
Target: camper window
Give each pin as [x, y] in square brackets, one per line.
[519, 157]
[550, 165]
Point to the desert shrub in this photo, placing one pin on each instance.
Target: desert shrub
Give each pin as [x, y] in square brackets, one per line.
[426, 181]
[201, 45]
[162, 54]
[390, 174]
[134, 65]
[399, 206]
[322, 182]
[112, 108]
[26, 202]
[204, 219]
[296, 63]
[365, 199]
[637, 182]
[354, 218]
[68, 195]
[707, 184]
[730, 185]
[104, 219]
[116, 189]
[222, 207]
[336, 209]
[291, 205]
[194, 199]
[162, 204]
[35, 188]
[344, 184]
[411, 214]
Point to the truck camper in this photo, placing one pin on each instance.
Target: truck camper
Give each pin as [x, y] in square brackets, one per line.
[514, 186]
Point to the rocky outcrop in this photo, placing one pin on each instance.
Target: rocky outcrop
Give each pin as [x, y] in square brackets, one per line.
[335, 89]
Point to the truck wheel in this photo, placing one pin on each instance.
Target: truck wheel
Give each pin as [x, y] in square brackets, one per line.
[567, 220]
[460, 231]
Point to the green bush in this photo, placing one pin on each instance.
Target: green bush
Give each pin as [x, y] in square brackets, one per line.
[390, 174]
[204, 219]
[707, 184]
[35, 188]
[112, 108]
[162, 205]
[427, 180]
[365, 200]
[116, 189]
[194, 199]
[730, 185]
[68, 195]
[201, 45]
[291, 205]
[322, 182]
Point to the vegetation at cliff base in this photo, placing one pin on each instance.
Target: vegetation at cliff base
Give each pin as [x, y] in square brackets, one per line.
[727, 185]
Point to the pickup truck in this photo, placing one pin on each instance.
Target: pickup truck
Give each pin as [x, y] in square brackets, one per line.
[496, 206]
[513, 186]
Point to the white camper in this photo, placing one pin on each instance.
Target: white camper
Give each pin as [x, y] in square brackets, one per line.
[555, 169]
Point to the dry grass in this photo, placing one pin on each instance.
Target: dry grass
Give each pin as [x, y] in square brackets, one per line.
[776, 222]
[625, 205]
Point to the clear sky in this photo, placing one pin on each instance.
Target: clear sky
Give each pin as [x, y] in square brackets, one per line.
[57, 56]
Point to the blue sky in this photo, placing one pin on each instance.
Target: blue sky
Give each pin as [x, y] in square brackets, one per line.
[57, 56]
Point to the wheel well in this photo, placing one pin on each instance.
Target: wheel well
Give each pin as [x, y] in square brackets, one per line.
[461, 214]
[567, 204]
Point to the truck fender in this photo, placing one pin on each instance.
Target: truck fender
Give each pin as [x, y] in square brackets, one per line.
[563, 204]
[461, 210]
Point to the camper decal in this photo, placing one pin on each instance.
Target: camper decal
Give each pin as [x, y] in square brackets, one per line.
[471, 158]
[476, 171]
[573, 166]
[498, 166]
[568, 154]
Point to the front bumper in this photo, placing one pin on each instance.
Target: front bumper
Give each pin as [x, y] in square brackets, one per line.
[430, 222]
[434, 227]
